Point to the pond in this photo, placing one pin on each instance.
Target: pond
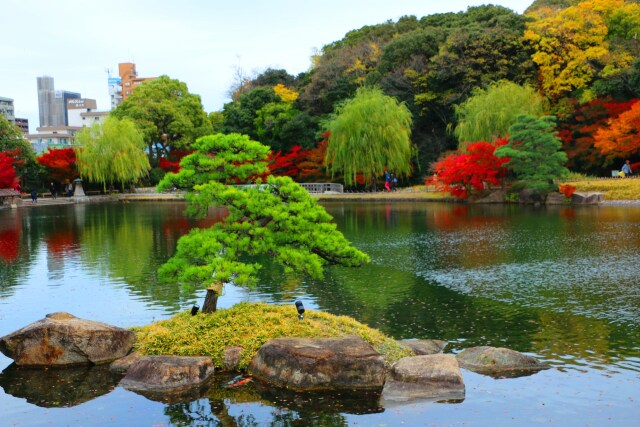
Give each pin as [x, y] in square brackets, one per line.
[561, 284]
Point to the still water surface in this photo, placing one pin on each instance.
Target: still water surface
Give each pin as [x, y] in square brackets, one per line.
[561, 284]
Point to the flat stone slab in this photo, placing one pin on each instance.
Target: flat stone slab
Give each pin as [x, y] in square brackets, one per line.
[587, 198]
[425, 347]
[61, 339]
[167, 373]
[498, 361]
[121, 366]
[319, 364]
[431, 377]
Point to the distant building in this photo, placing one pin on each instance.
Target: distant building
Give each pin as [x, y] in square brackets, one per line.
[23, 125]
[75, 108]
[91, 117]
[53, 137]
[115, 91]
[6, 109]
[52, 104]
[129, 78]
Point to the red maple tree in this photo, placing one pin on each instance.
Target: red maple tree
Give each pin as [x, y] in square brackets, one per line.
[7, 172]
[172, 162]
[459, 174]
[61, 164]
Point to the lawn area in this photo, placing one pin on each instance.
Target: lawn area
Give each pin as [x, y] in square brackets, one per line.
[613, 189]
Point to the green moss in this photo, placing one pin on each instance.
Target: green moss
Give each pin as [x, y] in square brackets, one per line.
[250, 325]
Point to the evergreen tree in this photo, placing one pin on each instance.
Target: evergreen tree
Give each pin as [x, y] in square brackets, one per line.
[535, 153]
[277, 218]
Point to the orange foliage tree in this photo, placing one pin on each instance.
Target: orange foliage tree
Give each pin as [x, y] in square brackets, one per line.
[577, 132]
[622, 137]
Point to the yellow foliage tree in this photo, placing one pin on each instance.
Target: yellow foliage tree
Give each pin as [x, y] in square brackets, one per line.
[572, 45]
[285, 94]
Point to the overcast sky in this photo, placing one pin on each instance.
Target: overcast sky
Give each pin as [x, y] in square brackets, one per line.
[200, 42]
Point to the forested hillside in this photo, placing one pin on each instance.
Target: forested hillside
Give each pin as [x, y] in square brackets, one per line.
[581, 57]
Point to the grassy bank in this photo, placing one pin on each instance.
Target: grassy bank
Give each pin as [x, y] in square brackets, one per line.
[250, 325]
[613, 189]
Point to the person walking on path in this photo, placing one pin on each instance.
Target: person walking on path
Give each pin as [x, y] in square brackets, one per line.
[387, 180]
[626, 168]
[52, 189]
[34, 196]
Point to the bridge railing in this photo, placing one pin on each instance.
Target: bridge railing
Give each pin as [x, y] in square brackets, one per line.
[322, 187]
[311, 187]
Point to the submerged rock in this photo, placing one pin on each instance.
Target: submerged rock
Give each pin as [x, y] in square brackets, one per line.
[319, 364]
[62, 339]
[498, 361]
[433, 377]
[167, 373]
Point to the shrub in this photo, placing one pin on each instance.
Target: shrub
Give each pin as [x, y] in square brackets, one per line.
[250, 325]
[567, 190]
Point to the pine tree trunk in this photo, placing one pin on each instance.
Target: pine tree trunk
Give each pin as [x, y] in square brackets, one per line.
[211, 299]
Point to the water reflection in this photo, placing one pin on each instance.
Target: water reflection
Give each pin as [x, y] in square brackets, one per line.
[52, 388]
[558, 283]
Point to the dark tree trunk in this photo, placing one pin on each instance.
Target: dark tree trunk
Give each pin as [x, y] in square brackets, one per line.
[211, 299]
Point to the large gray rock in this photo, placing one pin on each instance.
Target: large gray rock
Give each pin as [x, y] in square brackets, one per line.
[425, 347]
[498, 361]
[432, 377]
[62, 339]
[319, 364]
[587, 198]
[121, 366]
[496, 196]
[556, 199]
[231, 358]
[167, 373]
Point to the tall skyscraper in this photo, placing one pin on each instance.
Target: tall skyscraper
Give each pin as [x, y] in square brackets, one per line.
[52, 104]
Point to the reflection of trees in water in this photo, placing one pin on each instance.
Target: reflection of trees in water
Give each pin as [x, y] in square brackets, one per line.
[18, 243]
[412, 238]
[129, 242]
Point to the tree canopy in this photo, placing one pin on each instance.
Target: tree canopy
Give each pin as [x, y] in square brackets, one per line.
[111, 152]
[622, 137]
[12, 143]
[368, 134]
[277, 218]
[168, 116]
[489, 112]
[534, 153]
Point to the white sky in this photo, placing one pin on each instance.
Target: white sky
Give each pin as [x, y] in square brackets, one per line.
[200, 42]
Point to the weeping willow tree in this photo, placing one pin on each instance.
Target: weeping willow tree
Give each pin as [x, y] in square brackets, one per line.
[276, 218]
[489, 113]
[111, 152]
[368, 134]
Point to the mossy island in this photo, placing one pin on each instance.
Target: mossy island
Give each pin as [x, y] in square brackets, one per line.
[250, 325]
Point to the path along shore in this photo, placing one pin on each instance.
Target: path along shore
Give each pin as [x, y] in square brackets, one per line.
[407, 195]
